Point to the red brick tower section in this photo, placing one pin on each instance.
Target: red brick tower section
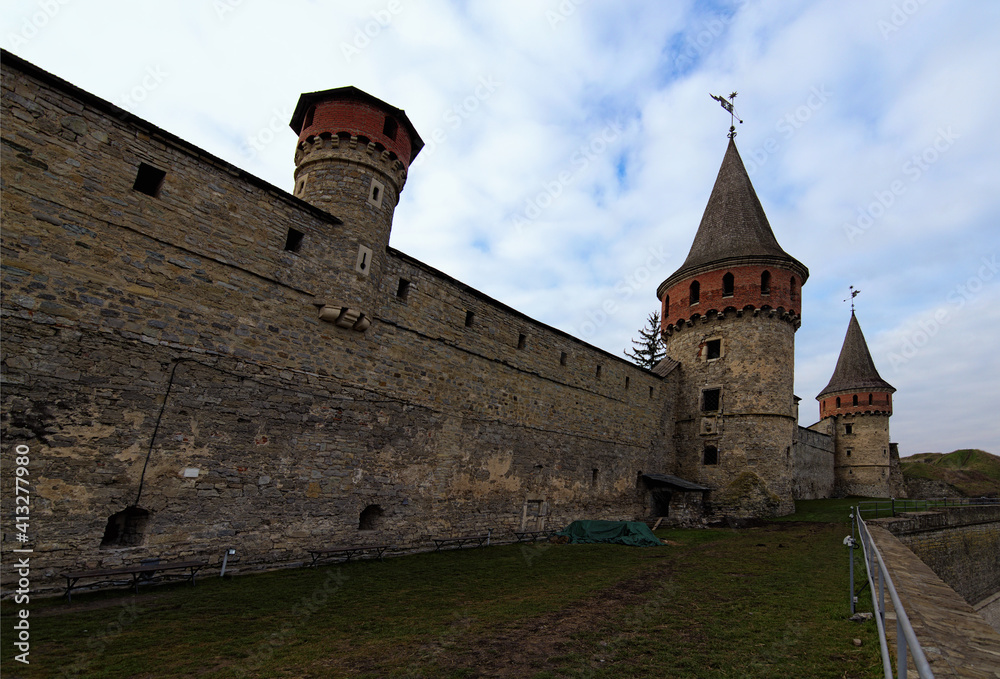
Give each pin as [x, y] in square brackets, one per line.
[729, 316]
[351, 160]
[855, 407]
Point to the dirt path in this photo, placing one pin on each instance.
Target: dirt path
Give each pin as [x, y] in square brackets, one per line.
[533, 646]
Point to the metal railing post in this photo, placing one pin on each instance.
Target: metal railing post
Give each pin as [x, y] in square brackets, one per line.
[907, 644]
[900, 649]
[850, 552]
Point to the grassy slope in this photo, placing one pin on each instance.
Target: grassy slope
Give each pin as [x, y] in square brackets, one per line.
[761, 602]
[973, 473]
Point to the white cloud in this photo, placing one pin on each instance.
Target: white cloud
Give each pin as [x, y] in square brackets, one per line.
[838, 97]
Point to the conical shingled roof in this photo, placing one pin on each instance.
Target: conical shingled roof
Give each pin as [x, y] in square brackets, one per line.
[855, 369]
[734, 228]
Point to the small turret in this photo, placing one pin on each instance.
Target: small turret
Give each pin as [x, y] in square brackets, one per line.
[856, 406]
[351, 160]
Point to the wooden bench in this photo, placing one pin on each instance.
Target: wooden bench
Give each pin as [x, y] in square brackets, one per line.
[532, 535]
[461, 540]
[143, 572]
[348, 552]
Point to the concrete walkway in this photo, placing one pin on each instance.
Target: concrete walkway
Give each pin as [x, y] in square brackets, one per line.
[957, 641]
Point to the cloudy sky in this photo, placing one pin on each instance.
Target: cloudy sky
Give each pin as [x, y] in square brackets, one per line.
[572, 146]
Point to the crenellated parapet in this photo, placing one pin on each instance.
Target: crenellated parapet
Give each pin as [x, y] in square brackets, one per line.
[345, 147]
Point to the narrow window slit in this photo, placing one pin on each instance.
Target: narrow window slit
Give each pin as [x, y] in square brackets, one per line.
[293, 241]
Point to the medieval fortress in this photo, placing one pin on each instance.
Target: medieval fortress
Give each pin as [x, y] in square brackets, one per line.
[198, 360]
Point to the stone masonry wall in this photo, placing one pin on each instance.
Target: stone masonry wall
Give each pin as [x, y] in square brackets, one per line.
[753, 429]
[863, 463]
[812, 462]
[960, 544]
[277, 430]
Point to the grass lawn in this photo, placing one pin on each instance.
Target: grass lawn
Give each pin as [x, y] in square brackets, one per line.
[762, 602]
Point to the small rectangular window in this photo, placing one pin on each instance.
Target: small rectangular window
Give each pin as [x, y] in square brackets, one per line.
[469, 316]
[521, 341]
[390, 127]
[626, 381]
[403, 290]
[713, 349]
[710, 400]
[848, 428]
[149, 180]
[293, 241]
[651, 392]
[598, 373]
[710, 455]
[562, 358]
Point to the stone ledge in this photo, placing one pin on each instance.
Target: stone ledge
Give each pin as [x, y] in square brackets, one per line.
[957, 641]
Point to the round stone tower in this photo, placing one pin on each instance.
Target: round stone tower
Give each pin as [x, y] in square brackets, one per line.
[729, 316]
[856, 406]
[351, 160]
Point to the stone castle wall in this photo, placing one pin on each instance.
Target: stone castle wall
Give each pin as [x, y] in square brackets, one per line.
[278, 431]
[812, 463]
[960, 544]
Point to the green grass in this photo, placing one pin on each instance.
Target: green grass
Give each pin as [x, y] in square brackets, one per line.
[761, 602]
[836, 510]
[972, 473]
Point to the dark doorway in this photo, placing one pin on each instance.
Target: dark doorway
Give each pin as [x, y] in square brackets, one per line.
[659, 500]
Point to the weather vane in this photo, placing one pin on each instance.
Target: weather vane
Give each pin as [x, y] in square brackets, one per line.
[854, 293]
[728, 105]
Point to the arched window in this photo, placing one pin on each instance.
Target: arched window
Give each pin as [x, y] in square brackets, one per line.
[309, 117]
[794, 289]
[854, 400]
[666, 307]
[695, 292]
[711, 455]
[765, 283]
[838, 401]
[728, 285]
[870, 399]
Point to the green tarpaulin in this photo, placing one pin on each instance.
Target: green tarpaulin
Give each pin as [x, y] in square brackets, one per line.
[633, 533]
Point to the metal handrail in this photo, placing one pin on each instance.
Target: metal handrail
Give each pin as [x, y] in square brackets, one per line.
[907, 644]
[877, 508]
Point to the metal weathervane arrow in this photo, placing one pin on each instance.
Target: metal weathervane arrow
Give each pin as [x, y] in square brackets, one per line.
[854, 293]
[728, 105]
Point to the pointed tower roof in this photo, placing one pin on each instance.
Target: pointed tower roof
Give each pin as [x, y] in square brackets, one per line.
[855, 369]
[734, 229]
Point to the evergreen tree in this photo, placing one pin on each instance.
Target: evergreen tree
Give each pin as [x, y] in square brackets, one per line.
[649, 349]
